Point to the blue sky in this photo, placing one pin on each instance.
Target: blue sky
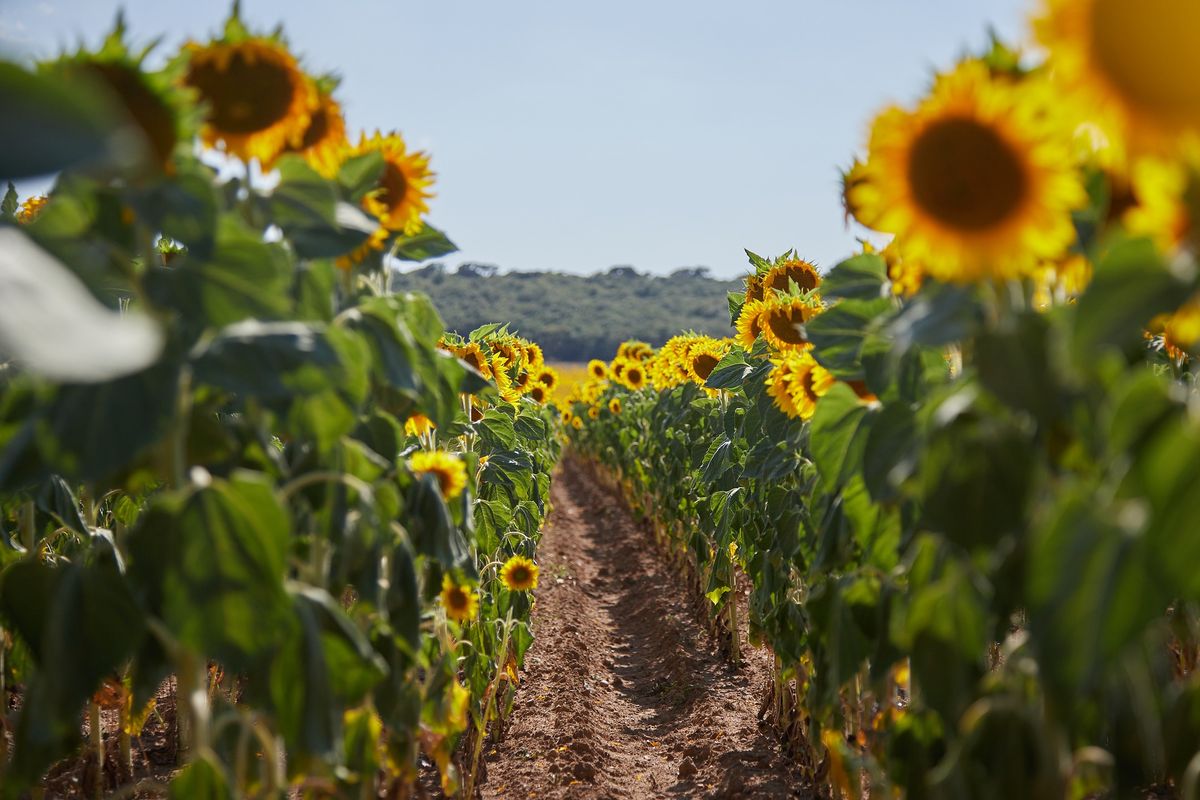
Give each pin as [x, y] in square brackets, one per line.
[575, 136]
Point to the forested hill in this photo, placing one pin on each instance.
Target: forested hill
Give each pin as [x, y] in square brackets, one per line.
[576, 317]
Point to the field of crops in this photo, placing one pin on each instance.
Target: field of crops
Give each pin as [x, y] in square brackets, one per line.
[267, 530]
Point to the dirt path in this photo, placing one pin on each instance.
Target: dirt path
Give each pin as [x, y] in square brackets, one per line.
[623, 694]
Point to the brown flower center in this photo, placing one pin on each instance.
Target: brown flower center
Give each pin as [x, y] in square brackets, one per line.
[144, 107]
[704, 365]
[250, 94]
[780, 322]
[965, 176]
[1147, 51]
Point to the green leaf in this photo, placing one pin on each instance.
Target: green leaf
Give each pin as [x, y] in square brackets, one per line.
[10, 204]
[273, 362]
[423, 245]
[360, 174]
[1131, 285]
[861, 277]
[840, 428]
[306, 208]
[838, 334]
[940, 314]
[182, 207]
[730, 372]
[1092, 591]
[211, 562]
[890, 453]
[204, 777]
[51, 125]
[82, 623]
[1014, 363]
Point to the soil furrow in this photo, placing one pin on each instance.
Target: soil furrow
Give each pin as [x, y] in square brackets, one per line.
[623, 693]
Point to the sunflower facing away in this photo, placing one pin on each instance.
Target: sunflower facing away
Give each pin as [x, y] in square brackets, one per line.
[1133, 65]
[450, 471]
[258, 99]
[519, 574]
[976, 182]
[780, 277]
[782, 321]
[459, 600]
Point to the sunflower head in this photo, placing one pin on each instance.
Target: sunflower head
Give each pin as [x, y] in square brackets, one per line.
[258, 101]
[1131, 66]
[614, 405]
[787, 271]
[324, 142]
[634, 376]
[548, 377]
[1165, 194]
[782, 320]
[519, 574]
[418, 425]
[754, 288]
[593, 412]
[978, 181]
[472, 353]
[576, 423]
[796, 382]
[31, 207]
[703, 356]
[538, 393]
[851, 180]
[448, 469]
[153, 104]
[905, 274]
[749, 322]
[459, 600]
[399, 199]
[597, 369]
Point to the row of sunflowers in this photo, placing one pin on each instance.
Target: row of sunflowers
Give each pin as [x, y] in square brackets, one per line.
[960, 472]
[246, 493]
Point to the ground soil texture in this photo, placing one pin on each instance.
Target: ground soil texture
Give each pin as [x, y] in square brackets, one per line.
[624, 693]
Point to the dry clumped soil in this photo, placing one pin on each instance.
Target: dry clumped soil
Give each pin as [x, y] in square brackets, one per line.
[624, 693]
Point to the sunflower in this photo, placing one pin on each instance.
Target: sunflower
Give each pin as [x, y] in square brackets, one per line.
[472, 353]
[796, 382]
[635, 349]
[754, 287]
[576, 423]
[704, 356]
[978, 181]
[614, 405]
[782, 319]
[548, 377]
[1177, 333]
[449, 470]
[31, 207]
[324, 140]
[459, 600]
[593, 412]
[634, 376]
[538, 393]
[399, 199]
[1133, 66]
[568, 416]
[617, 368]
[1162, 190]
[780, 276]
[534, 359]
[418, 425]
[597, 369]
[851, 180]
[749, 322]
[905, 274]
[257, 98]
[519, 574]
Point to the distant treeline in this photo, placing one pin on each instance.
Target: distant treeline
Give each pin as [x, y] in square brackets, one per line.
[576, 317]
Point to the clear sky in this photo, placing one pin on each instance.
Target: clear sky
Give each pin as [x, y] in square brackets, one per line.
[574, 136]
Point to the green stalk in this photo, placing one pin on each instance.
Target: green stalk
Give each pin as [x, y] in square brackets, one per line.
[98, 746]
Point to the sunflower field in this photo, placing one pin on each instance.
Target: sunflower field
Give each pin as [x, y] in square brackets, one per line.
[958, 476]
[243, 486]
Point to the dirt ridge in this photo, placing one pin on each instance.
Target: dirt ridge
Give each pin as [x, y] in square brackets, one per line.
[624, 693]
